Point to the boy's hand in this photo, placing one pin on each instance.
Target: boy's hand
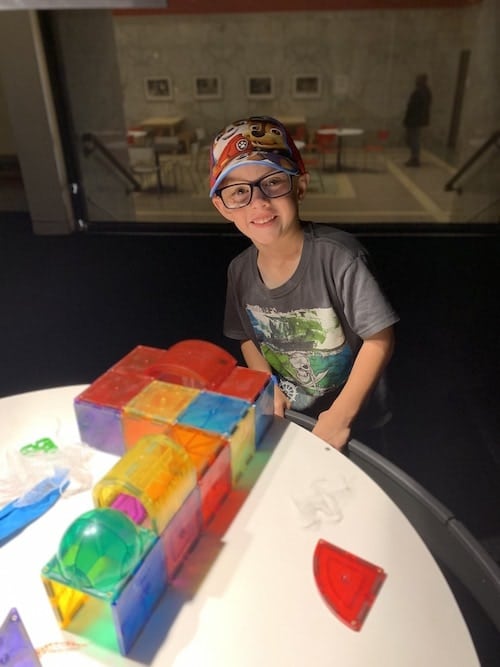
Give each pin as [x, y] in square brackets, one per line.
[334, 425]
[281, 402]
[336, 432]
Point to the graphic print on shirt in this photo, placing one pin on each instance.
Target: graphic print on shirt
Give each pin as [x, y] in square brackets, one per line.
[306, 347]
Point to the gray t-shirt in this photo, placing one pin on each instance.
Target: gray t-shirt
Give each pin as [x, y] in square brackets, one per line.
[310, 328]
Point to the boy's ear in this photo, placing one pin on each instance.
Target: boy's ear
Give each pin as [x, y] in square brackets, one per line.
[302, 183]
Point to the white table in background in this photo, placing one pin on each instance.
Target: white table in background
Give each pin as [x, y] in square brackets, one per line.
[340, 132]
[137, 137]
[162, 124]
[247, 595]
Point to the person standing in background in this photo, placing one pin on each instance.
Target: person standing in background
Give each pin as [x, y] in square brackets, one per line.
[416, 117]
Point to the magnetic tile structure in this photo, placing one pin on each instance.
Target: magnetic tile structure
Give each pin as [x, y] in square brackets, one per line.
[184, 422]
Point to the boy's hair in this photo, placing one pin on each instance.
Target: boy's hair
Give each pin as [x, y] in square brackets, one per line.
[258, 139]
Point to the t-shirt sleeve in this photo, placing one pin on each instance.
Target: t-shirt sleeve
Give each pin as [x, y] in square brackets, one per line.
[366, 307]
[234, 324]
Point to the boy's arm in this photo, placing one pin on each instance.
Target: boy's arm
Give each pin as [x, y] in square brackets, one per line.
[254, 359]
[334, 425]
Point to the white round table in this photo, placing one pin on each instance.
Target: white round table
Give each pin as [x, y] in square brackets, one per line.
[247, 595]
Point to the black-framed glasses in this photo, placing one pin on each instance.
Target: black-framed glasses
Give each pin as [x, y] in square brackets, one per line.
[238, 195]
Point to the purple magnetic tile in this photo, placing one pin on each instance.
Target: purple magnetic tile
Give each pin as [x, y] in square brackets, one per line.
[16, 648]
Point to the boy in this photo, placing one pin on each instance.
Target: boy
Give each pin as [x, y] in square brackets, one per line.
[301, 300]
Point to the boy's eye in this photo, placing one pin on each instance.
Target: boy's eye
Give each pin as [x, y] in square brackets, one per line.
[241, 190]
[272, 181]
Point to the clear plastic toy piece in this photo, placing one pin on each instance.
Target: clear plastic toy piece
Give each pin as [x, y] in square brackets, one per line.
[348, 584]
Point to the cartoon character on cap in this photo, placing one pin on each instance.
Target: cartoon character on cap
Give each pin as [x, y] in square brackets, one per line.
[259, 138]
[254, 134]
[265, 134]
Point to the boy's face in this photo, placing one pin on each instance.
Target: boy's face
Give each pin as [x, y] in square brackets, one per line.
[264, 219]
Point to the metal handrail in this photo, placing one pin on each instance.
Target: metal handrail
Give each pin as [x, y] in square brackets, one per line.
[92, 142]
[447, 538]
[493, 140]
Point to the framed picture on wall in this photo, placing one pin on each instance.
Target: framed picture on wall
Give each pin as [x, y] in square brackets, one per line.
[260, 87]
[207, 87]
[306, 86]
[158, 88]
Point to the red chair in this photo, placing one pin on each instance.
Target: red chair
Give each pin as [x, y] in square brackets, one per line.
[377, 146]
[324, 143]
[314, 165]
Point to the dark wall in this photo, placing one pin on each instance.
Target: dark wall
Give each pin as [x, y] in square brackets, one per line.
[73, 305]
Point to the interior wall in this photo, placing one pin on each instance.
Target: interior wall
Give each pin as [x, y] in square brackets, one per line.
[33, 118]
[479, 200]
[224, 6]
[367, 61]
[7, 143]
[90, 71]
[482, 102]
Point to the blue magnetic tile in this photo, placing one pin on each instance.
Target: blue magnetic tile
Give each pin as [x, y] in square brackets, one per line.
[214, 412]
[133, 607]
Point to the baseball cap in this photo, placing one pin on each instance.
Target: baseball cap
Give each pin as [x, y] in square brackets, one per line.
[258, 139]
